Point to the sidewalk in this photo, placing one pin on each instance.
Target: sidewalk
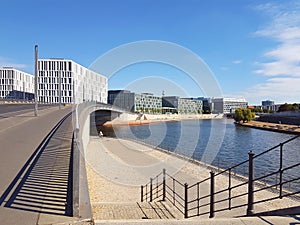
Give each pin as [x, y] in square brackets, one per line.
[117, 168]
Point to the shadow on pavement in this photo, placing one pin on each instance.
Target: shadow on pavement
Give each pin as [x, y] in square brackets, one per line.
[155, 210]
[281, 212]
[44, 184]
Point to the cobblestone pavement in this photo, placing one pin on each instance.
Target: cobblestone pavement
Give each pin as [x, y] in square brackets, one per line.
[115, 173]
[131, 211]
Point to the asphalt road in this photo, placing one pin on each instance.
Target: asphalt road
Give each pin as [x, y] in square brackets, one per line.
[16, 109]
[18, 143]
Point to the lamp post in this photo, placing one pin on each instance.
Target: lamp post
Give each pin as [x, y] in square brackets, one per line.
[24, 91]
[59, 89]
[36, 80]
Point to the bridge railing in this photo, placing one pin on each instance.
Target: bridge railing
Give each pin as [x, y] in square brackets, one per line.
[227, 190]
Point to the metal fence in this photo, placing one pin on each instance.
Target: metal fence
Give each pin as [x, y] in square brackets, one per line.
[237, 189]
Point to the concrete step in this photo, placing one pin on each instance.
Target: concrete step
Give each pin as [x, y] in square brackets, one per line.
[274, 220]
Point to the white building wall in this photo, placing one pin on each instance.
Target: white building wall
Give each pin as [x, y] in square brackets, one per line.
[15, 80]
[228, 105]
[78, 84]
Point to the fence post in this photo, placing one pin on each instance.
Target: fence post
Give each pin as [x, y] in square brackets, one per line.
[151, 189]
[250, 184]
[229, 189]
[142, 194]
[212, 194]
[164, 185]
[185, 200]
[280, 170]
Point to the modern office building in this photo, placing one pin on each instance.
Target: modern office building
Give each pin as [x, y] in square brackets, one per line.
[270, 105]
[148, 103]
[72, 83]
[206, 104]
[227, 105]
[175, 104]
[267, 103]
[122, 98]
[15, 84]
[134, 102]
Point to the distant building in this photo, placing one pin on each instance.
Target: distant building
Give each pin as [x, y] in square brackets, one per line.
[175, 104]
[76, 83]
[134, 102]
[270, 105]
[147, 102]
[267, 103]
[228, 105]
[122, 98]
[206, 104]
[15, 84]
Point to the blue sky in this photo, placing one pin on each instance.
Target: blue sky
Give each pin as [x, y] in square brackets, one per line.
[252, 47]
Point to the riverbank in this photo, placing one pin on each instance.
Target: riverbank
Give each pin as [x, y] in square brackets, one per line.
[116, 168]
[275, 127]
[154, 118]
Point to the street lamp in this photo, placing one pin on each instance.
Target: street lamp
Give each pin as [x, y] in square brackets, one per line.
[36, 80]
[59, 89]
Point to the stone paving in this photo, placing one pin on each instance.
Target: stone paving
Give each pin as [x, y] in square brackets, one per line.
[116, 170]
[130, 211]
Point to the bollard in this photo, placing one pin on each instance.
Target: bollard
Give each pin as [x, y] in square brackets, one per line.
[212, 194]
[250, 184]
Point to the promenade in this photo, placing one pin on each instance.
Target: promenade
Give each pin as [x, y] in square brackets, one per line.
[116, 169]
[276, 127]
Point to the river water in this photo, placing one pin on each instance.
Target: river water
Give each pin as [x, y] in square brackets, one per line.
[220, 143]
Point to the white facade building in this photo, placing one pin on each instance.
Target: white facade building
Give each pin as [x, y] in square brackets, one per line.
[77, 83]
[227, 105]
[15, 84]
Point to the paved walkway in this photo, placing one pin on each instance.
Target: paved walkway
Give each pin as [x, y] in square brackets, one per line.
[272, 220]
[34, 168]
[117, 168]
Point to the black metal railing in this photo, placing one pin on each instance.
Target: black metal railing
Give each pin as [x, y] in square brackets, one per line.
[235, 190]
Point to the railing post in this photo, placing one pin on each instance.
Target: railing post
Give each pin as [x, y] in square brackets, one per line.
[151, 180]
[212, 194]
[229, 189]
[280, 170]
[142, 194]
[185, 200]
[250, 184]
[164, 185]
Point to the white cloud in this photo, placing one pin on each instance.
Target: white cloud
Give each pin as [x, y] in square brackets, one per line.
[237, 61]
[224, 68]
[284, 28]
[282, 63]
[5, 62]
[280, 89]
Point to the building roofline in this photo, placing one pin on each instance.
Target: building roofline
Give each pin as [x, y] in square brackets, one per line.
[12, 68]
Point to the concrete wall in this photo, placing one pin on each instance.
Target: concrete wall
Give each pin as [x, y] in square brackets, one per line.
[292, 118]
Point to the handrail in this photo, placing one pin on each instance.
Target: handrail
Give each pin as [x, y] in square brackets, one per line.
[178, 195]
